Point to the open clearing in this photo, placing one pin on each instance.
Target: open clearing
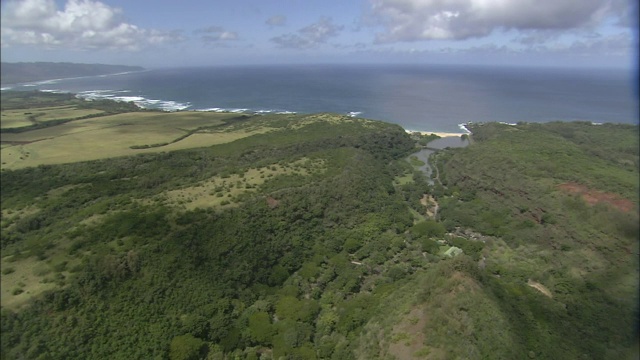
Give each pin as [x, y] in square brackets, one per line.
[220, 191]
[593, 197]
[23, 280]
[407, 337]
[110, 136]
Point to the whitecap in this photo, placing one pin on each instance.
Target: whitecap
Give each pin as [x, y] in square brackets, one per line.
[463, 127]
[5, 88]
[166, 105]
[354, 113]
[211, 110]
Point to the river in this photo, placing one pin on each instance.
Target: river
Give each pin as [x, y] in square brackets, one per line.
[438, 144]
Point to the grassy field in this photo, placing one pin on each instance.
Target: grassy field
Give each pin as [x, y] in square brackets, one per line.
[110, 136]
[24, 280]
[21, 117]
[226, 190]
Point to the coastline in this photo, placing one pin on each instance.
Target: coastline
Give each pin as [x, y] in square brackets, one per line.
[439, 133]
[442, 134]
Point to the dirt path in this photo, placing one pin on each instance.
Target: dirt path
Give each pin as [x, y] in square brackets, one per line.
[543, 289]
[431, 211]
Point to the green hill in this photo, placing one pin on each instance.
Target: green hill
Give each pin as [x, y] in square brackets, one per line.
[310, 237]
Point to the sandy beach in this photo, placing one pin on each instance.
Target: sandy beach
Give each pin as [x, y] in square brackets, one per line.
[439, 133]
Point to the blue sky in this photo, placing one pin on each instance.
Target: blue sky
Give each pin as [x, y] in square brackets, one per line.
[161, 33]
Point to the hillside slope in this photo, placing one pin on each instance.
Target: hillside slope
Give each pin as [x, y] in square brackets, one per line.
[547, 217]
[310, 237]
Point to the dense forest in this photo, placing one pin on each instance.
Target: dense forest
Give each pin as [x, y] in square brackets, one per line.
[321, 241]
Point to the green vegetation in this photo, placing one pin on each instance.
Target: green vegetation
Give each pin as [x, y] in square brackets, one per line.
[423, 139]
[311, 237]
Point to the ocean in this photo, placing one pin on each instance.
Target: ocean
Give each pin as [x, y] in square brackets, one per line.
[418, 97]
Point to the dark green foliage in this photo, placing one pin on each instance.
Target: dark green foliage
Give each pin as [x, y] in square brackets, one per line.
[187, 347]
[260, 328]
[150, 274]
[508, 185]
[429, 228]
[429, 245]
[30, 99]
[306, 278]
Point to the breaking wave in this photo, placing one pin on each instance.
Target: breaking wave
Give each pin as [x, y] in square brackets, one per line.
[166, 105]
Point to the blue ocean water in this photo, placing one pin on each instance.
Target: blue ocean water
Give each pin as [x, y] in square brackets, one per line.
[430, 98]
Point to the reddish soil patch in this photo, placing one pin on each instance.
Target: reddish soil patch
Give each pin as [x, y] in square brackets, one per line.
[593, 197]
[273, 203]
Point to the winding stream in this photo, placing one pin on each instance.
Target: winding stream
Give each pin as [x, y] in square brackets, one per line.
[438, 144]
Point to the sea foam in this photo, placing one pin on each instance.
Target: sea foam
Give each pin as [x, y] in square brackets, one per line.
[463, 127]
[247, 111]
[145, 103]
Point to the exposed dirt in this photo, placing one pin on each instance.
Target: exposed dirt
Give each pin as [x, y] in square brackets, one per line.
[593, 197]
[408, 336]
[430, 204]
[543, 289]
[273, 203]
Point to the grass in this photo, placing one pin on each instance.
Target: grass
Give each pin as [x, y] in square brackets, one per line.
[147, 132]
[25, 117]
[28, 277]
[224, 190]
[403, 180]
[415, 161]
[111, 136]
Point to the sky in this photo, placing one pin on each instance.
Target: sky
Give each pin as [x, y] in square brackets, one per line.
[172, 33]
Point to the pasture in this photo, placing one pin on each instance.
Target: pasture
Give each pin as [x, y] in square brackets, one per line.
[114, 135]
[225, 190]
[25, 117]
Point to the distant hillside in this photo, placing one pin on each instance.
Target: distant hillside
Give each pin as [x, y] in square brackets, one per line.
[12, 73]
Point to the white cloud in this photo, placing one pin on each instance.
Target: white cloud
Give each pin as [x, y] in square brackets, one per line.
[277, 20]
[214, 34]
[82, 24]
[414, 20]
[310, 36]
[603, 46]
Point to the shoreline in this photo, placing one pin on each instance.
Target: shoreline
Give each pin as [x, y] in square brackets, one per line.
[442, 134]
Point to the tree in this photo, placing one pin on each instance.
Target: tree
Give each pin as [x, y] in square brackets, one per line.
[260, 327]
[187, 347]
